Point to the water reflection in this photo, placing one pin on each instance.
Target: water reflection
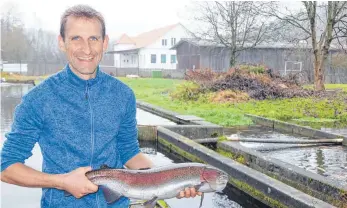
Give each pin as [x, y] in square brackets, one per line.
[329, 161]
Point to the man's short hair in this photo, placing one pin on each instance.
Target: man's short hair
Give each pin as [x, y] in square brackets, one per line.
[81, 11]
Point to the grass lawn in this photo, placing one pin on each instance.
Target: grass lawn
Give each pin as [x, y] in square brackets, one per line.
[156, 91]
[313, 112]
[330, 86]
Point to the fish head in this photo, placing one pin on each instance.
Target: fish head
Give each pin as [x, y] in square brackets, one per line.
[215, 178]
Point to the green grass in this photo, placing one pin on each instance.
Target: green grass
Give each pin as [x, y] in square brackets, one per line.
[330, 86]
[306, 111]
[156, 91]
[311, 111]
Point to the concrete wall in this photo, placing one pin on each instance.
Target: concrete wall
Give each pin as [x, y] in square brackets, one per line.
[266, 189]
[294, 129]
[197, 131]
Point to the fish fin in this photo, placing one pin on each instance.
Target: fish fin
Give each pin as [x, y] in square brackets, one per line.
[104, 166]
[202, 199]
[151, 203]
[197, 187]
[67, 194]
[110, 195]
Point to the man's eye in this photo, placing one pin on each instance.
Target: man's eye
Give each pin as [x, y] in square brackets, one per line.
[75, 38]
[93, 38]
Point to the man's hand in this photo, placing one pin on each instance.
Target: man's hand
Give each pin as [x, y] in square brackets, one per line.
[188, 192]
[76, 182]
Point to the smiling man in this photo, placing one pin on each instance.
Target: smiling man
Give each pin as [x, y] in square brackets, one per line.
[81, 117]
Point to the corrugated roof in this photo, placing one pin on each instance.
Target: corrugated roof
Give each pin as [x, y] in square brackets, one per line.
[210, 43]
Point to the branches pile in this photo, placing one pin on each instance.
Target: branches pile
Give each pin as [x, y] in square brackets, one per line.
[258, 86]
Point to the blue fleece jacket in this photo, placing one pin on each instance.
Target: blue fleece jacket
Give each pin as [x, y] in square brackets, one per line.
[76, 123]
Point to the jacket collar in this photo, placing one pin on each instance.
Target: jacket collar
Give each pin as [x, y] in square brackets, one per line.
[76, 81]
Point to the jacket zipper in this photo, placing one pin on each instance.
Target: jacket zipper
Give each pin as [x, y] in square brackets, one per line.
[87, 96]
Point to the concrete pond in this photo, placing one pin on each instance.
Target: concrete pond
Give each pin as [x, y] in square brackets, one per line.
[322, 181]
[261, 175]
[11, 94]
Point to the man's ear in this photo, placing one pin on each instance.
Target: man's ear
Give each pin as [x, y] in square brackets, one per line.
[105, 44]
[61, 43]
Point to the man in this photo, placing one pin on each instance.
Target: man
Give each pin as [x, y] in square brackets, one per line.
[81, 118]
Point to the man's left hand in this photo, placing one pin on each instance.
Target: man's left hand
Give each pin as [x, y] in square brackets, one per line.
[188, 192]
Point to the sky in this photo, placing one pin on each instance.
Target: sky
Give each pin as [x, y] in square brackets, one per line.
[122, 16]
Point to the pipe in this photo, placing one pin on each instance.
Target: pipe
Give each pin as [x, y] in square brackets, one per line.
[282, 141]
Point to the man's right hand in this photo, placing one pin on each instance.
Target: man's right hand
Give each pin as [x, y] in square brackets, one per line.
[76, 182]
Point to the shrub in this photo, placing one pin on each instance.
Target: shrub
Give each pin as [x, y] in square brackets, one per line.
[186, 91]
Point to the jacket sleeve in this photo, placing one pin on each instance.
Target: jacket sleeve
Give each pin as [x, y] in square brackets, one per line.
[127, 142]
[25, 132]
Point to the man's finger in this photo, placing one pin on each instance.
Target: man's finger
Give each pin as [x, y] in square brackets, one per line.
[199, 193]
[192, 192]
[187, 192]
[180, 195]
[93, 188]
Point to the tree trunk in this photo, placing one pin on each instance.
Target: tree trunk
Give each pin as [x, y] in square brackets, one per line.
[232, 60]
[319, 74]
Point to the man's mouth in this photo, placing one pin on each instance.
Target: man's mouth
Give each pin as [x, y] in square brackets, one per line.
[85, 58]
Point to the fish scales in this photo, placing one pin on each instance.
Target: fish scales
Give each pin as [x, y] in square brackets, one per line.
[159, 182]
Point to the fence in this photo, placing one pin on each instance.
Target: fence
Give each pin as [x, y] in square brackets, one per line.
[333, 75]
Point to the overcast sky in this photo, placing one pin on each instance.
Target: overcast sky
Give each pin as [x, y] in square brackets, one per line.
[122, 16]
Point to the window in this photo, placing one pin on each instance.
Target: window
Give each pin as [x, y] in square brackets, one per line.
[173, 59]
[173, 41]
[163, 58]
[153, 58]
[164, 42]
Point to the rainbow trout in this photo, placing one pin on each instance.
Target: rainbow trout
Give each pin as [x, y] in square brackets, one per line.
[157, 183]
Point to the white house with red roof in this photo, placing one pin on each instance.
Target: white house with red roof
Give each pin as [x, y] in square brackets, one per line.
[149, 50]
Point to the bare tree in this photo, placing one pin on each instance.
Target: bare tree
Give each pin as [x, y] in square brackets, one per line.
[237, 25]
[14, 44]
[321, 24]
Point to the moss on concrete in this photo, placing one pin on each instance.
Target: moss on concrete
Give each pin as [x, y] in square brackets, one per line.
[179, 151]
[222, 138]
[256, 193]
[214, 134]
[237, 157]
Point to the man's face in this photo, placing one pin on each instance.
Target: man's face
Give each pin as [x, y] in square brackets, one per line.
[83, 45]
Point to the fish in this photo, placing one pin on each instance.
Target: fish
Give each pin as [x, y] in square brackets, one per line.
[163, 182]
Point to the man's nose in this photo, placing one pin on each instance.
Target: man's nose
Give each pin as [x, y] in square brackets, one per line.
[86, 47]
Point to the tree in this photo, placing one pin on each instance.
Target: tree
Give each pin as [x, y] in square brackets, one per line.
[14, 44]
[322, 24]
[237, 25]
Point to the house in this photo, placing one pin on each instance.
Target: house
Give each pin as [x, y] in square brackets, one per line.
[149, 50]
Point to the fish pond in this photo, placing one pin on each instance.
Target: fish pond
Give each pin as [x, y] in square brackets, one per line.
[15, 196]
[327, 160]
